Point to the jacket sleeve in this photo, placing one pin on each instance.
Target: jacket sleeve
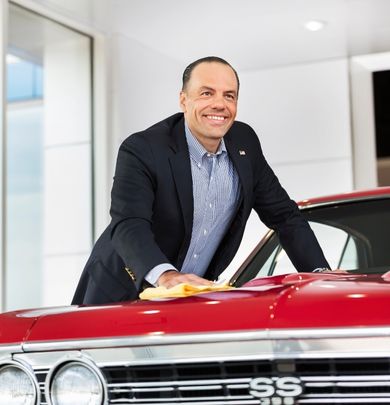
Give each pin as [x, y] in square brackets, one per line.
[132, 199]
[280, 213]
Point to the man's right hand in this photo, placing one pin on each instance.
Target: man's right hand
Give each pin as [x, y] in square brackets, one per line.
[171, 278]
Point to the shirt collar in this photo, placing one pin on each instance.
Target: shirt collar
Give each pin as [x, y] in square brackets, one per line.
[196, 149]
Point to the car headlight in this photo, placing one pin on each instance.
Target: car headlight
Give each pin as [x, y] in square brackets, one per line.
[17, 385]
[76, 382]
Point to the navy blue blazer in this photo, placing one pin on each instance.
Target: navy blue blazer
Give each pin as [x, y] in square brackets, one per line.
[152, 212]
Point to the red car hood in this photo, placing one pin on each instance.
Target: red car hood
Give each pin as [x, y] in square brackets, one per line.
[288, 301]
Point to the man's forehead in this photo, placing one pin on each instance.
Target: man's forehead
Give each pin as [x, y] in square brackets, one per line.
[208, 74]
[212, 68]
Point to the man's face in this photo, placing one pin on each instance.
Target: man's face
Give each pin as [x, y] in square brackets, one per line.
[209, 102]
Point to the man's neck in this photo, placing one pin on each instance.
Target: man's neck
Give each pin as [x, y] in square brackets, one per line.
[211, 145]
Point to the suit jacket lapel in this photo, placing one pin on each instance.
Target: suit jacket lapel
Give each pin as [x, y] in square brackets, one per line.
[242, 164]
[181, 171]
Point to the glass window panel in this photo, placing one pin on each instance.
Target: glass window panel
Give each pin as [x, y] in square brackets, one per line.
[48, 176]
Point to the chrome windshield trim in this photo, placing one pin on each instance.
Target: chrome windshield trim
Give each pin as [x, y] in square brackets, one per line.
[303, 206]
[253, 253]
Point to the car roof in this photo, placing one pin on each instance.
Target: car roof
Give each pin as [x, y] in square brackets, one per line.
[380, 192]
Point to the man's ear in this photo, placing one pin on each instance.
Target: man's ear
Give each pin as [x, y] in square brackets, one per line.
[183, 101]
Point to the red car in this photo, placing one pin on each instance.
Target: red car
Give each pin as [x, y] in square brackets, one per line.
[279, 338]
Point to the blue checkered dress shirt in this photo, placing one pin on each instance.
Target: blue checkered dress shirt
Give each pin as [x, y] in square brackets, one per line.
[216, 191]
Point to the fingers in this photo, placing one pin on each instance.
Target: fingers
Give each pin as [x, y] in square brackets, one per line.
[171, 278]
[334, 271]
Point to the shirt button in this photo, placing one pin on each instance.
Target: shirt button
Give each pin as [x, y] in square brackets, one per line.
[199, 165]
[211, 205]
[195, 256]
[209, 154]
[205, 232]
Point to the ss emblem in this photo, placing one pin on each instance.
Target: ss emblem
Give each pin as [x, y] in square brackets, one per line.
[279, 390]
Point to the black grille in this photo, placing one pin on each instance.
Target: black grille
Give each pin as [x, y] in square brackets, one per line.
[326, 381]
[183, 372]
[41, 377]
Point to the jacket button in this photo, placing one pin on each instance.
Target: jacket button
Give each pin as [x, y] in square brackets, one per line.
[131, 274]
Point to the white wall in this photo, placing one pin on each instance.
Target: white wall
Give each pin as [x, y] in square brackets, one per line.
[302, 116]
[145, 87]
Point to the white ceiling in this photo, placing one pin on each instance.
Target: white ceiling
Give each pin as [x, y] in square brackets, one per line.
[254, 34]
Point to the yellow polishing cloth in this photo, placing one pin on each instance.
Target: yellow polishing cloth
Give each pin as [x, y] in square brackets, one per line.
[181, 290]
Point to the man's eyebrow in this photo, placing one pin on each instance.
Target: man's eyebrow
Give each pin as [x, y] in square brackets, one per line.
[206, 88]
[211, 89]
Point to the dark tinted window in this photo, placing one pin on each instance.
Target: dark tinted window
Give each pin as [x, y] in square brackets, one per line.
[354, 236]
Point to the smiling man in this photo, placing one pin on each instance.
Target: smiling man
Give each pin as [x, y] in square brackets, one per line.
[182, 193]
[209, 102]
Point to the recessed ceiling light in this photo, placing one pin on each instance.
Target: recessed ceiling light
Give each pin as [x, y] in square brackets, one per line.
[315, 25]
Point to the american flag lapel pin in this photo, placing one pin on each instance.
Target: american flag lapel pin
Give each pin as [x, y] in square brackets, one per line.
[242, 152]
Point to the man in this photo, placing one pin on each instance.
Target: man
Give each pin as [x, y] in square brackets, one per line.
[182, 193]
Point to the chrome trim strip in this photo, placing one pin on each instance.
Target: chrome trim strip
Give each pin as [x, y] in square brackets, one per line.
[345, 381]
[7, 349]
[349, 395]
[223, 352]
[191, 400]
[198, 388]
[287, 344]
[231, 401]
[182, 383]
[149, 390]
[353, 401]
[348, 378]
[251, 256]
[178, 339]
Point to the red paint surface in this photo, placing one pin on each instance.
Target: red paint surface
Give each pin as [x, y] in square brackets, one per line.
[14, 329]
[377, 192]
[292, 301]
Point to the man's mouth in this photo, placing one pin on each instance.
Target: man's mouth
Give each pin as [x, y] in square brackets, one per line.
[216, 118]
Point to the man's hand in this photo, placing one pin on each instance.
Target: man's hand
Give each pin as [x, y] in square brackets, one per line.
[325, 270]
[171, 278]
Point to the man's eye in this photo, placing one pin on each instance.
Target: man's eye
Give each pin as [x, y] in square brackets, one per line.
[230, 97]
[205, 93]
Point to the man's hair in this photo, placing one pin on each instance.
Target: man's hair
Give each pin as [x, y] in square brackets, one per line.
[208, 59]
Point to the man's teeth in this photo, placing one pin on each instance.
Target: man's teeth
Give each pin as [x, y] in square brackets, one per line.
[215, 117]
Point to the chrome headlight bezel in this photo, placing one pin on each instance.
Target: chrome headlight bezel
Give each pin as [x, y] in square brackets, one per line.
[69, 362]
[25, 368]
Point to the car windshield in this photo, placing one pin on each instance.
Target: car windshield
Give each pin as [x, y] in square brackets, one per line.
[354, 236]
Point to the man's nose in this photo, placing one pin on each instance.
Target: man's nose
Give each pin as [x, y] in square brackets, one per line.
[219, 102]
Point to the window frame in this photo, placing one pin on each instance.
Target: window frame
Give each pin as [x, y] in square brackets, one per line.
[101, 156]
